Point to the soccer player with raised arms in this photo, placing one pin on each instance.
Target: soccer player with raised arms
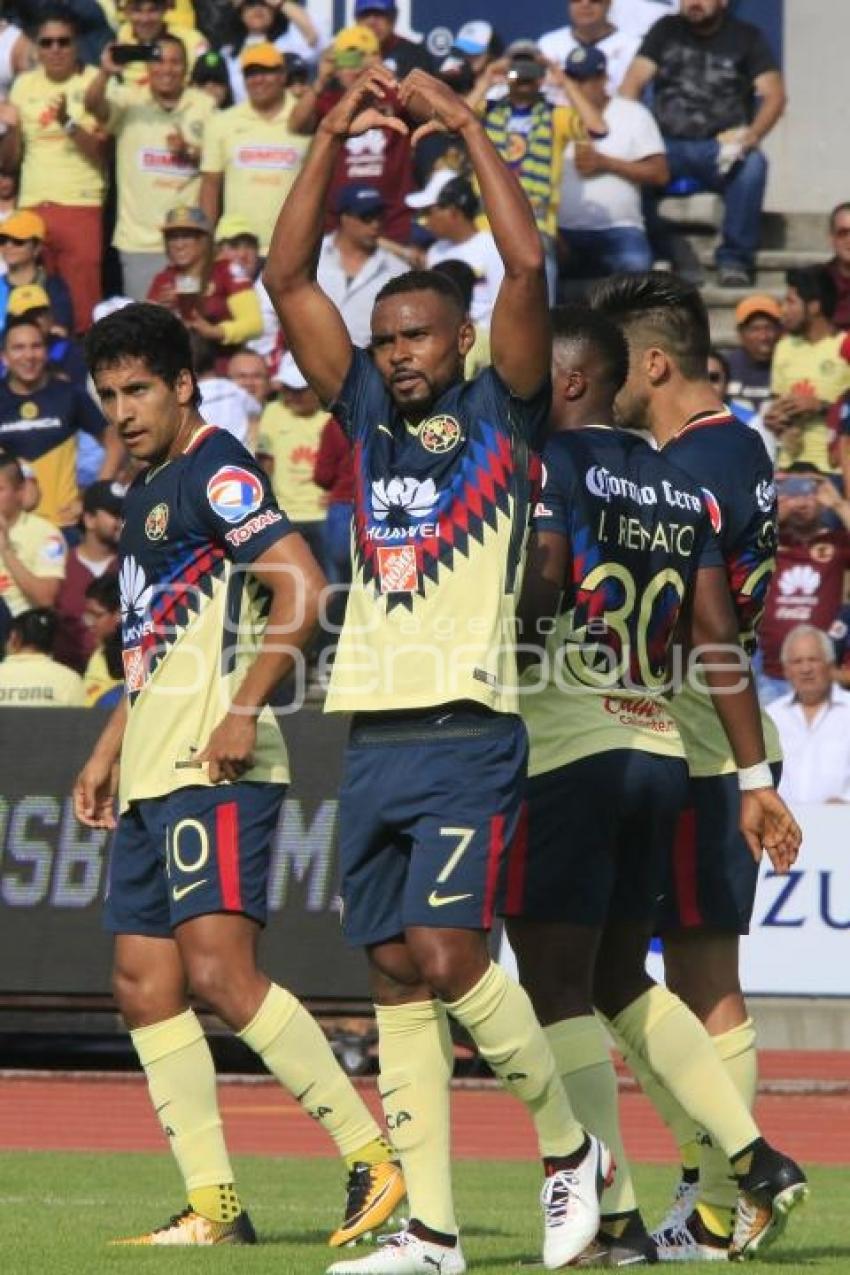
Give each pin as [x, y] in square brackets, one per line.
[218, 596]
[436, 759]
[712, 875]
[623, 563]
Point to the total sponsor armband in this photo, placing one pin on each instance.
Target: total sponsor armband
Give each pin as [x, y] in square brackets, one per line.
[758, 776]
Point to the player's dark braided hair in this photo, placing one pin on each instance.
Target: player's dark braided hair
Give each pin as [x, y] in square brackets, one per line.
[147, 332]
[659, 309]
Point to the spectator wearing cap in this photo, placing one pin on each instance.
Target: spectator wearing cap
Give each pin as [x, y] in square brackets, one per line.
[61, 153]
[287, 447]
[839, 266]
[90, 559]
[810, 370]
[708, 69]
[21, 241]
[250, 154]
[29, 676]
[158, 130]
[213, 297]
[813, 721]
[236, 241]
[289, 26]
[398, 54]
[64, 355]
[40, 418]
[32, 550]
[589, 27]
[380, 157]
[211, 75]
[758, 322]
[600, 216]
[146, 23]
[449, 207]
[479, 43]
[353, 267]
[531, 135]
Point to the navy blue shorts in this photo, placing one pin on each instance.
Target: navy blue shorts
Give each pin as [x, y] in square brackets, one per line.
[711, 873]
[429, 806]
[599, 832]
[192, 852]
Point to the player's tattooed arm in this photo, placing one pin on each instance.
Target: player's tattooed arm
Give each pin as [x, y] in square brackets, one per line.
[97, 783]
[291, 574]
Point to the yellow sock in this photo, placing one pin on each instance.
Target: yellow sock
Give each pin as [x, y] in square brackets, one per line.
[218, 1203]
[676, 1047]
[181, 1080]
[584, 1064]
[498, 1016]
[718, 1188]
[677, 1120]
[416, 1062]
[296, 1052]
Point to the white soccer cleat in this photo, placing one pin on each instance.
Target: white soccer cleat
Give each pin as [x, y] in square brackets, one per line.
[681, 1207]
[690, 1241]
[570, 1201]
[404, 1254]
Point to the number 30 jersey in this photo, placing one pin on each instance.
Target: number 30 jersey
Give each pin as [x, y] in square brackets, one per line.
[637, 532]
[729, 461]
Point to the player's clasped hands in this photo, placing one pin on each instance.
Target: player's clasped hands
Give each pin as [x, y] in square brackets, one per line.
[768, 825]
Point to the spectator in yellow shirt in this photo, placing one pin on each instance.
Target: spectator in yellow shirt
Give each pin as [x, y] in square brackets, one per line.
[29, 676]
[159, 131]
[102, 618]
[32, 550]
[250, 157]
[810, 372]
[61, 153]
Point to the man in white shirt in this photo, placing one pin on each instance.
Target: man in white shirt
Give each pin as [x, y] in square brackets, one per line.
[600, 217]
[352, 266]
[589, 26]
[449, 207]
[635, 17]
[813, 722]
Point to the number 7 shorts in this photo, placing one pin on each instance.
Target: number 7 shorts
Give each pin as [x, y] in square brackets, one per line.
[428, 812]
[195, 851]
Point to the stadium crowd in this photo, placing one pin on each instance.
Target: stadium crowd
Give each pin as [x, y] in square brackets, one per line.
[150, 154]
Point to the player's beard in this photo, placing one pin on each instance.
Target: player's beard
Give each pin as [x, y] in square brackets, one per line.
[630, 411]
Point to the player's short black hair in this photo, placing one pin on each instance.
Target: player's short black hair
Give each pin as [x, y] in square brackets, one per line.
[147, 332]
[578, 325]
[35, 628]
[57, 13]
[814, 283]
[843, 207]
[8, 461]
[105, 590]
[424, 281]
[665, 310]
[462, 276]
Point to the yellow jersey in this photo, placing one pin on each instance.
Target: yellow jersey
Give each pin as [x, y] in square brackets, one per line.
[817, 368]
[30, 679]
[292, 442]
[42, 550]
[53, 168]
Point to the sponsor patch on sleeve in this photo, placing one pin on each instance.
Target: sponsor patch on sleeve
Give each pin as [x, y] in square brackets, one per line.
[234, 493]
[253, 527]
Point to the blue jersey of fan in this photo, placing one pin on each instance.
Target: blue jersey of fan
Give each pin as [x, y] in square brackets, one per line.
[192, 613]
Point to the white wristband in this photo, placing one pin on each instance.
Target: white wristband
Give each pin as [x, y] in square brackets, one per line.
[757, 776]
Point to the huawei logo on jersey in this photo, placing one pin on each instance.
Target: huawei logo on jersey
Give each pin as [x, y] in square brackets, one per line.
[136, 593]
[402, 498]
[370, 144]
[799, 581]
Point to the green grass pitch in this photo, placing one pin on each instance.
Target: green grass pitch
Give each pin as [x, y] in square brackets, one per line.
[57, 1212]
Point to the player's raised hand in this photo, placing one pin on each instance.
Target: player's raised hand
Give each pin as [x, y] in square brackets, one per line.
[94, 793]
[360, 108]
[230, 749]
[439, 107]
[767, 824]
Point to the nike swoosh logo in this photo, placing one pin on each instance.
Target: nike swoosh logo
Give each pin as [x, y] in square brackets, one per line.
[180, 891]
[440, 900]
[299, 1097]
[383, 1096]
[162, 1106]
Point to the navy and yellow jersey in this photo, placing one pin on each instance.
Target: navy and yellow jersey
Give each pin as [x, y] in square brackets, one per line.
[729, 462]
[192, 615]
[41, 429]
[637, 531]
[441, 518]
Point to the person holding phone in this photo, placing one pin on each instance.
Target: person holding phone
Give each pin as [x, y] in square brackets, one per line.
[146, 23]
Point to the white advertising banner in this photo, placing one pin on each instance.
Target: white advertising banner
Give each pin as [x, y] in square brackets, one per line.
[799, 943]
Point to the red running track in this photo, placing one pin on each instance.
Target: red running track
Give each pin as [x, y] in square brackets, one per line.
[92, 1113]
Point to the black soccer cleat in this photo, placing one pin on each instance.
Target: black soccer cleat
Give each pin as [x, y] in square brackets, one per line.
[771, 1188]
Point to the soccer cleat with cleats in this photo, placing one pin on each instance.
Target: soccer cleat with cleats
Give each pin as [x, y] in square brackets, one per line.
[634, 1246]
[570, 1201]
[772, 1187]
[681, 1207]
[374, 1192]
[404, 1254]
[189, 1229]
[690, 1241]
